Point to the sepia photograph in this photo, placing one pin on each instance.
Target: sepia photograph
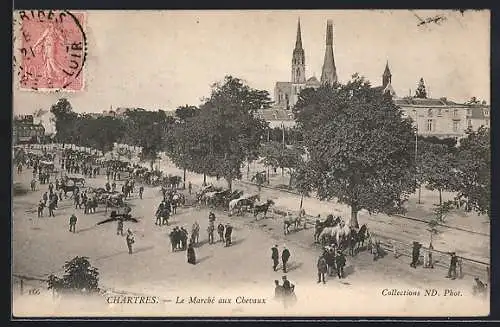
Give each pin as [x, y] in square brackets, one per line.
[250, 163]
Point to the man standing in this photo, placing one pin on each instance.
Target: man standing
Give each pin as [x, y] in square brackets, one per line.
[45, 198]
[229, 231]
[41, 206]
[340, 263]
[210, 231]
[220, 231]
[190, 187]
[211, 217]
[322, 269]
[119, 229]
[72, 223]
[52, 207]
[191, 256]
[141, 190]
[285, 255]
[275, 256]
[452, 271]
[113, 187]
[159, 213]
[130, 241]
[415, 254]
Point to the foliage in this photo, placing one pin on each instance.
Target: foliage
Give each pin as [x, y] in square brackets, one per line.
[421, 91]
[360, 146]
[79, 276]
[65, 119]
[473, 170]
[437, 165]
[225, 133]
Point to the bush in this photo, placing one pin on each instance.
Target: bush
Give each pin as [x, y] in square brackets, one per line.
[79, 277]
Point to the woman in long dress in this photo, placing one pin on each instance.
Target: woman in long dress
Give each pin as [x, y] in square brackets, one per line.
[191, 256]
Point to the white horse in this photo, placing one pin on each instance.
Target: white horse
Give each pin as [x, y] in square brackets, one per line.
[233, 205]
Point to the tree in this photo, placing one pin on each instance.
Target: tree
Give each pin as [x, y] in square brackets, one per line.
[79, 276]
[473, 170]
[228, 129]
[421, 92]
[437, 166]
[65, 120]
[360, 147]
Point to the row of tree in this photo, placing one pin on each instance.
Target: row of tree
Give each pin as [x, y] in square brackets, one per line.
[351, 143]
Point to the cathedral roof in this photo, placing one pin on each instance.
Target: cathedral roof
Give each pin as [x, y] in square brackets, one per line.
[389, 89]
[313, 81]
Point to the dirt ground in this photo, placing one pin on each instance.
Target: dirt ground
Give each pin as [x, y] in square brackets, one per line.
[42, 245]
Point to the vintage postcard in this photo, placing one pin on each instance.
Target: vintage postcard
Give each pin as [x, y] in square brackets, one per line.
[251, 163]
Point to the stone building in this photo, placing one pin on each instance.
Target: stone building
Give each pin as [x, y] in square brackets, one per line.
[24, 130]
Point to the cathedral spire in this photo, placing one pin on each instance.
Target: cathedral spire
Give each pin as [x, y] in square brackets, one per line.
[387, 76]
[298, 60]
[329, 72]
[298, 42]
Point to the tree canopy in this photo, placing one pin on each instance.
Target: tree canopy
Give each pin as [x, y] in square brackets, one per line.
[474, 170]
[421, 91]
[360, 147]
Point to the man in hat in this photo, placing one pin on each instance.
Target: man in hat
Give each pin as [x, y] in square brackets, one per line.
[340, 263]
[322, 269]
[141, 191]
[119, 229]
[275, 256]
[278, 290]
[285, 255]
[452, 271]
[220, 231]
[130, 240]
[159, 213]
[210, 230]
[415, 254]
[72, 223]
[190, 187]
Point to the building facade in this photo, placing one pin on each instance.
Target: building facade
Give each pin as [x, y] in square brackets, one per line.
[24, 130]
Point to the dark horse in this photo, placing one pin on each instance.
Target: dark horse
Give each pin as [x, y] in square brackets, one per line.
[262, 208]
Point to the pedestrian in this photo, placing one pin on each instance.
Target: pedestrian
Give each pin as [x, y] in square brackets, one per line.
[45, 198]
[72, 223]
[113, 187]
[415, 254]
[429, 263]
[288, 292]
[119, 229]
[141, 191]
[229, 231]
[191, 256]
[77, 201]
[52, 207]
[130, 240]
[275, 256]
[210, 231]
[340, 263]
[452, 271]
[285, 255]
[211, 217]
[322, 269]
[190, 187]
[220, 231]
[159, 213]
[41, 206]
[330, 260]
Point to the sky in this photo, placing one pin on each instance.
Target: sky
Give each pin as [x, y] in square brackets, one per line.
[165, 59]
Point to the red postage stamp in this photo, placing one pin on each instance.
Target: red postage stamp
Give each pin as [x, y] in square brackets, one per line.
[53, 50]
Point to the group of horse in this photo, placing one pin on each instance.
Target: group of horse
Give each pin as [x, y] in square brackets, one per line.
[235, 202]
[335, 232]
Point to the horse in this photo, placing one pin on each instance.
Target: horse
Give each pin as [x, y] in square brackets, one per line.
[177, 199]
[328, 236]
[343, 235]
[361, 237]
[236, 194]
[68, 188]
[289, 221]
[262, 208]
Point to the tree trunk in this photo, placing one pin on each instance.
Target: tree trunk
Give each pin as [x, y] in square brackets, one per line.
[268, 181]
[152, 164]
[184, 180]
[229, 184]
[419, 191]
[354, 217]
[248, 169]
[440, 197]
[204, 179]
[301, 201]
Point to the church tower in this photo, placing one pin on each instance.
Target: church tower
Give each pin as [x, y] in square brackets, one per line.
[387, 76]
[298, 60]
[329, 72]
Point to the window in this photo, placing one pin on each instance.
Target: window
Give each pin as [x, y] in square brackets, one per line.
[455, 113]
[456, 126]
[486, 112]
[430, 125]
[429, 112]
